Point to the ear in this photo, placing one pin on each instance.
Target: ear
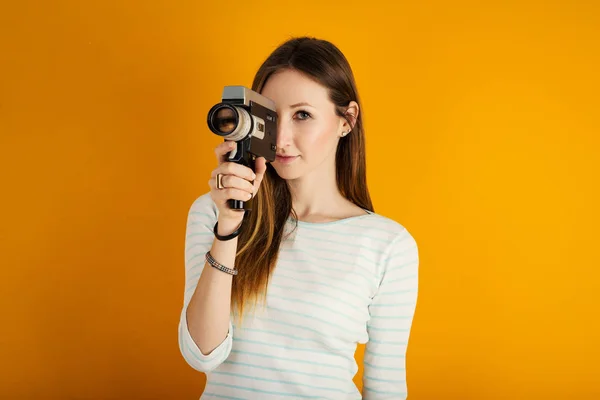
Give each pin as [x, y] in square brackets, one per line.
[352, 115]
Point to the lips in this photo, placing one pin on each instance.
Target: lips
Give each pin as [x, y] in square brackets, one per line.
[286, 159]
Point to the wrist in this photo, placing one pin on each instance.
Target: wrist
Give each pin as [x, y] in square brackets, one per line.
[226, 226]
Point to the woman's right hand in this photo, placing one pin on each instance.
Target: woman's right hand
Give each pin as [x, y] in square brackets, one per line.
[239, 182]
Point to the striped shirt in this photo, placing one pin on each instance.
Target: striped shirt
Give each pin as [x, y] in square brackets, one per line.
[336, 284]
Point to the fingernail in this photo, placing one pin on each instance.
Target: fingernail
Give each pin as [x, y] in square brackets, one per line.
[253, 176]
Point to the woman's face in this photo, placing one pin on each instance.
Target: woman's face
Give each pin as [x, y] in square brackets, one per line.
[308, 129]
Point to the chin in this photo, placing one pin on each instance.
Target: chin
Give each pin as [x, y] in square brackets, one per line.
[287, 173]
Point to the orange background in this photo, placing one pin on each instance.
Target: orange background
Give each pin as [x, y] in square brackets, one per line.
[483, 140]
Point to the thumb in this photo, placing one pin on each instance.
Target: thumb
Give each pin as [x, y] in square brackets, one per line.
[260, 169]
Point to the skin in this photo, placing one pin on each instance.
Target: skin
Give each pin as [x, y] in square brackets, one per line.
[310, 131]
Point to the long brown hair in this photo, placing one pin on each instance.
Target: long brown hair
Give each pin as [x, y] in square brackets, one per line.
[263, 230]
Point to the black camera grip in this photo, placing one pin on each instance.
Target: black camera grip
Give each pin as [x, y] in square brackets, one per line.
[250, 162]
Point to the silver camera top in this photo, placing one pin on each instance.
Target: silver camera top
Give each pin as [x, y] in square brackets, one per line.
[245, 95]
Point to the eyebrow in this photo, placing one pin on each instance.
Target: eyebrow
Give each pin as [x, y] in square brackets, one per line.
[300, 104]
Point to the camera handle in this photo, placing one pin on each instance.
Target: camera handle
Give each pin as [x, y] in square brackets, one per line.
[244, 158]
[242, 155]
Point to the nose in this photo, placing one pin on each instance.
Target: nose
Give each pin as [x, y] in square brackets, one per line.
[284, 135]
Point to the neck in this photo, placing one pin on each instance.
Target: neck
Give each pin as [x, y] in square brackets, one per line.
[316, 194]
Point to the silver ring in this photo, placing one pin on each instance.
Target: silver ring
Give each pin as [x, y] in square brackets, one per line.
[220, 181]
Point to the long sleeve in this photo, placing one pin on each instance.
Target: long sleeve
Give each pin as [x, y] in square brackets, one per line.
[198, 240]
[391, 315]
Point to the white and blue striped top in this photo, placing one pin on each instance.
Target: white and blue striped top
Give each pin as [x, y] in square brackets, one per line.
[336, 284]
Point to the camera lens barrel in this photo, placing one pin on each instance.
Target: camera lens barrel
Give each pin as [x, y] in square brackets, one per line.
[229, 121]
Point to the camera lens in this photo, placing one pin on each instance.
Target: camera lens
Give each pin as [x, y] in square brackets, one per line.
[231, 122]
[225, 120]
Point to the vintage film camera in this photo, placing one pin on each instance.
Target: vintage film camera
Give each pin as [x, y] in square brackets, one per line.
[249, 119]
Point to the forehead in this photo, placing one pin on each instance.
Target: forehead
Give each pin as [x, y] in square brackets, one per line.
[287, 87]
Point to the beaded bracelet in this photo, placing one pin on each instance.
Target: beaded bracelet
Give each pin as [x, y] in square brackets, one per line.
[218, 266]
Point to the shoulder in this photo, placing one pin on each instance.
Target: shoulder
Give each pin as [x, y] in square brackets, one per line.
[385, 240]
[400, 256]
[398, 246]
[384, 227]
[203, 207]
[379, 234]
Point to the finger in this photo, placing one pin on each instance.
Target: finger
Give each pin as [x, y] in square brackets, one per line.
[261, 168]
[235, 194]
[235, 182]
[232, 168]
[222, 149]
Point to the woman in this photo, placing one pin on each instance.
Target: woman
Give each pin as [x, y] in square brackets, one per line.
[314, 270]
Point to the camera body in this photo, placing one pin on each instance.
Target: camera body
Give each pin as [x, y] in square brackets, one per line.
[249, 119]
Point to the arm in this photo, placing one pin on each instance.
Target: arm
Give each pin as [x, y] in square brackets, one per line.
[392, 311]
[205, 328]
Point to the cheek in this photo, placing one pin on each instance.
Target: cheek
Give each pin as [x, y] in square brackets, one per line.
[315, 138]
